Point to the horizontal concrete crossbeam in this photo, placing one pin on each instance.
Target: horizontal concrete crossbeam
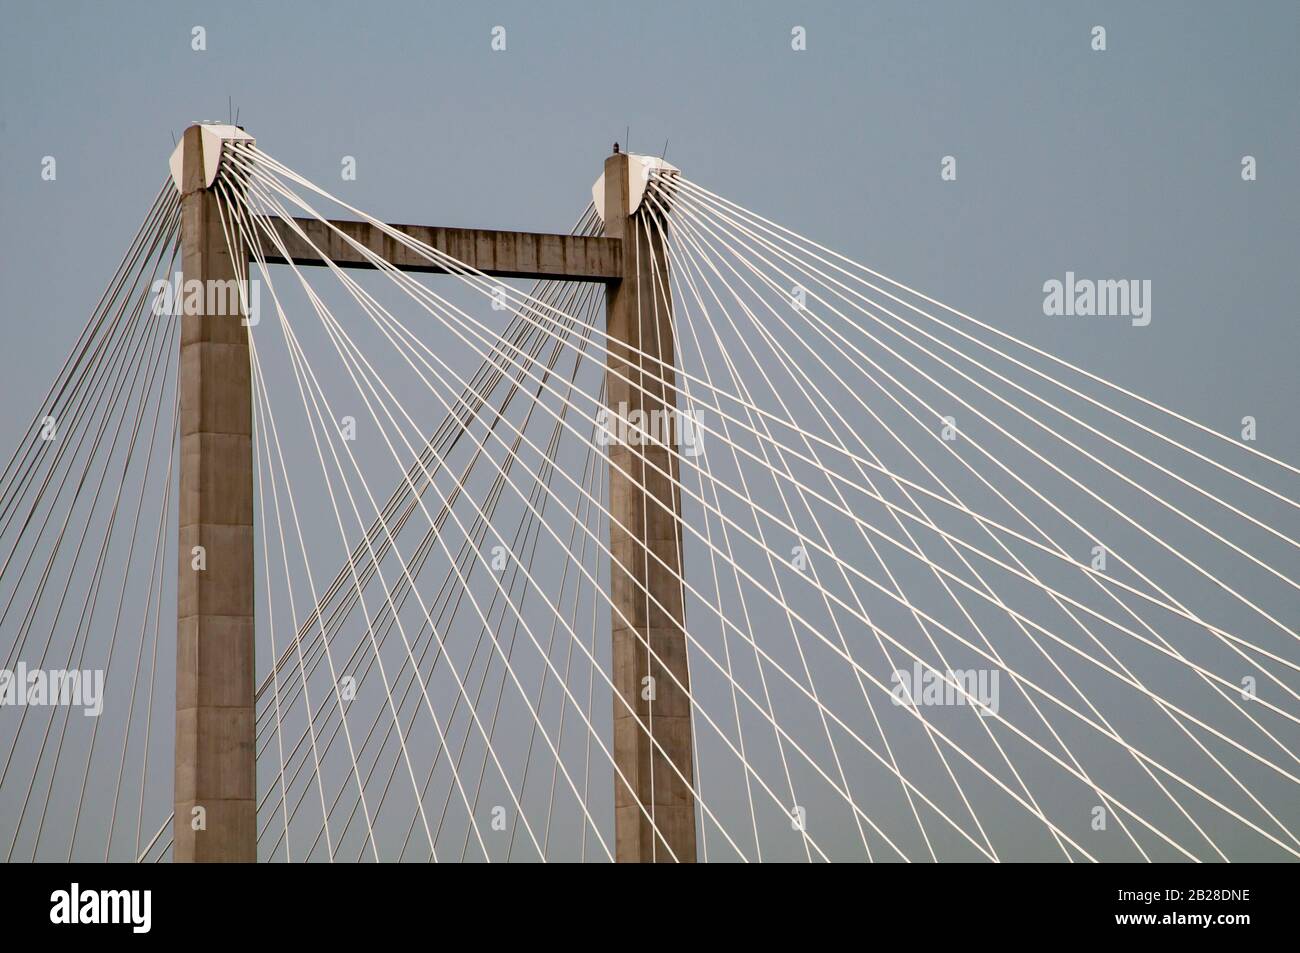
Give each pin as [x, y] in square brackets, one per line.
[499, 253]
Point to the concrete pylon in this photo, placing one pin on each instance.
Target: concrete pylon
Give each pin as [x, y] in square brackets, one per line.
[638, 315]
[215, 720]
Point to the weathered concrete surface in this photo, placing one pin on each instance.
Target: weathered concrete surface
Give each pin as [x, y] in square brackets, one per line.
[501, 254]
[215, 755]
[641, 317]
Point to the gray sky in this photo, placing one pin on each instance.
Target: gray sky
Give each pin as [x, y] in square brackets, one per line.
[1117, 164]
[1123, 163]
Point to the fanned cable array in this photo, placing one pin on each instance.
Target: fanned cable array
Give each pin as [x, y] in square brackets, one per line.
[947, 596]
[88, 579]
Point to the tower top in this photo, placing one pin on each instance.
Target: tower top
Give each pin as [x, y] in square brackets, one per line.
[640, 169]
[212, 140]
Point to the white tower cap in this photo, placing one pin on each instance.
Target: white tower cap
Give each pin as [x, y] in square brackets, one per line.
[215, 136]
[639, 171]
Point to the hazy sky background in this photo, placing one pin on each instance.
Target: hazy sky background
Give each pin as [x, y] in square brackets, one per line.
[1123, 163]
[1117, 164]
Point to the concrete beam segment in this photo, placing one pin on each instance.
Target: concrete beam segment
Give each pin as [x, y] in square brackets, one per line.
[501, 254]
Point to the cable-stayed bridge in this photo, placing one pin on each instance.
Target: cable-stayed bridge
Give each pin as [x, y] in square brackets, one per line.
[675, 537]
